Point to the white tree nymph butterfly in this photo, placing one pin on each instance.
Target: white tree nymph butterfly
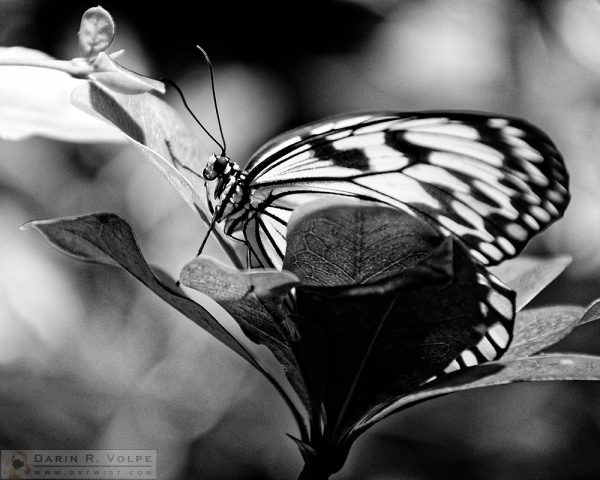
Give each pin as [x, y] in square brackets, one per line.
[493, 182]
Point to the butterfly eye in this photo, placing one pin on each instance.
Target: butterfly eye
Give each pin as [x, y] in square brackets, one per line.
[216, 166]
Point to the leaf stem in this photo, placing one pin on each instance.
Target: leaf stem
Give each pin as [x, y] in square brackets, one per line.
[77, 67]
[314, 470]
[304, 435]
[363, 362]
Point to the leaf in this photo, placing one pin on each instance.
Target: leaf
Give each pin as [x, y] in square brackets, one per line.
[106, 238]
[540, 328]
[340, 242]
[96, 31]
[37, 101]
[156, 129]
[528, 276]
[254, 299]
[538, 368]
[396, 301]
[122, 80]
[592, 313]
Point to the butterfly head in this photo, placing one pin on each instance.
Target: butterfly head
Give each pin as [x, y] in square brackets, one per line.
[217, 166]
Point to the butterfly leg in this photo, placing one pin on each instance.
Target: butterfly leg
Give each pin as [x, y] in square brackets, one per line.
[248, 292]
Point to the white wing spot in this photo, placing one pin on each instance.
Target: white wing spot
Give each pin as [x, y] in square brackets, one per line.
[452, 367]
[505, 245]
[516, 231]
[530, 221]
[540, 214]
[479, 257]
[499, 335]
[555, 196]
[512, 131]
[502, 304]
[390, 184]
[452, 226]
[457, 145]
[491, 192]
[527, 153]
[550, 208]
[455, 129]
[486, 348]
[516, 142]
[533, 175]
[491, 251]
[468, 214]
[377, 153]
[281, 146]
[497, 122]
[352, 142]
[437, 176]
[469, 358]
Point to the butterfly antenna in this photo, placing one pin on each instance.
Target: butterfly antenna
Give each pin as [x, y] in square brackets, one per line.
[214, 94]
[187, 107]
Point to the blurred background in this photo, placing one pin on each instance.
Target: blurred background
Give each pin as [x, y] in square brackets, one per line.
[90, 359]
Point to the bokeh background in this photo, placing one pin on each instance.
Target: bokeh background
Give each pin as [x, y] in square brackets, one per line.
[89, 359]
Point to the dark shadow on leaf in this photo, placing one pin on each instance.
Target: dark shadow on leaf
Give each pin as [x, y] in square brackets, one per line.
[109, 108]
[455, 379]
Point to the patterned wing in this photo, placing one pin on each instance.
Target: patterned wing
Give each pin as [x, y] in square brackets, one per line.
[493, 182]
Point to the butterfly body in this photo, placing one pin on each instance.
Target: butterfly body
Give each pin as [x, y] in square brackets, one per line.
[227, 190]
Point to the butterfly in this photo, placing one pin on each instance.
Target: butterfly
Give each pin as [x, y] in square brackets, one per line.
[492, 182]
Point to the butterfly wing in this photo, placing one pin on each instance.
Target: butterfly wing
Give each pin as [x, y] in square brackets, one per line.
[493, 182]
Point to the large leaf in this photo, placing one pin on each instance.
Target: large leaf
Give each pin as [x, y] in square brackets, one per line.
[332, 243]
[156, 129]
[37, 101]
[538, 368]
[396, 302]
[540, 328]
[107, 238]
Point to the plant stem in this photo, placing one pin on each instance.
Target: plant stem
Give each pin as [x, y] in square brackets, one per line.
[77, 67]
[304, 435]
[313, 470]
